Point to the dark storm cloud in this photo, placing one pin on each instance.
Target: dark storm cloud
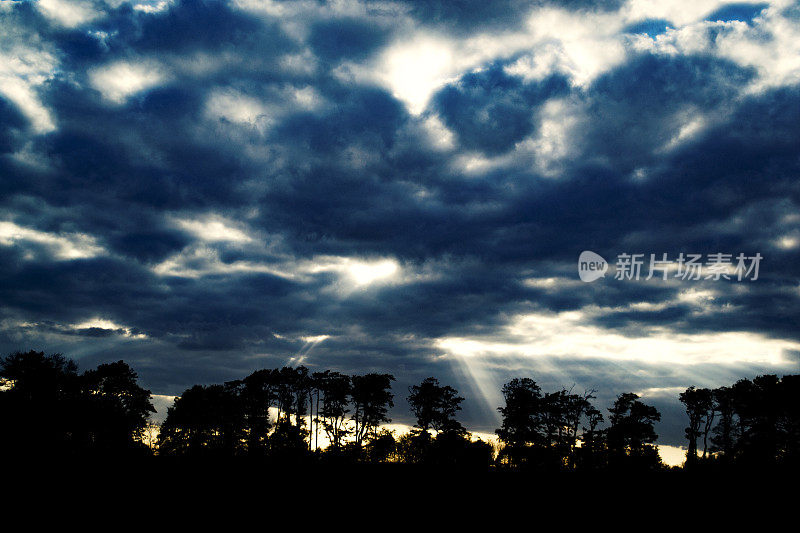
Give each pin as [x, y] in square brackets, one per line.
[490, 111]
[635, 108]
[465, 15]
[352, 174]
[11, 122]
[346, 38]
[367, 116]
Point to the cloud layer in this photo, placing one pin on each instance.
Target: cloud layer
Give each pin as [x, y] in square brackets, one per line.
[204, 188]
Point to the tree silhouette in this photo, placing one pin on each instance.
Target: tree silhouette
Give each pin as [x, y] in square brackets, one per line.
[335, 388]
[372, 399]
[203, 421]
[117, 408]
[632, 433]
[591, 454]
[697, 403]
[258, 393]
[723, 437]
[47, 408]
[381, 447]
[542, 431]
[434, 406]
[522, 419]
[788, 426]
[38, 405]
[757, 423]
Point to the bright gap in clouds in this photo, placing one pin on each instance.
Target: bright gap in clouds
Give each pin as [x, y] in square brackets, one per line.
[414, 70]
[582, 47]
[364, 273]
[420, 63]
[354, 271]
[549, 345]
[572, 334]
[309, 343]
[105, 324]
[204, 258]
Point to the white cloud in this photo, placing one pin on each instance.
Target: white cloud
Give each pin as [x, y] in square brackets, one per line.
[25, 64]
[439, 136]
[777, 59]
[268, 7]
[213, 228]
[788, 242]
[315, 338]
[693, 123]
[365, 273]
[679, 12]
[354, 272]
[67, 331]
[771, 45]
[660, 392]
[62, 246]
[572, 334]
[103, 323]
[23, 96]
[582, 47]
[553, 142]
[306, 98]
[152, 6]
[236, 107]
[304, 63]
[201, 260]
[416, 68]
[68, 13]
[585, 47]
[420, 62]
[239, 108]
[119, 81]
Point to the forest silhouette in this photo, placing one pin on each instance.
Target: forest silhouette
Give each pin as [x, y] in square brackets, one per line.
[295, 416]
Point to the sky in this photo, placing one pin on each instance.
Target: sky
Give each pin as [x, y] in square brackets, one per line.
[205, 188]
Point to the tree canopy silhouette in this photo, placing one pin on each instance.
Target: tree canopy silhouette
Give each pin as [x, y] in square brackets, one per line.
[434, 405]
[290, 414]
[48, 408]
[543, 430]
[632, 433]
[757, 423]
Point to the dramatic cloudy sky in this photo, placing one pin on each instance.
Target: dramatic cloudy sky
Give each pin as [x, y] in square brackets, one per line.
[207, 188]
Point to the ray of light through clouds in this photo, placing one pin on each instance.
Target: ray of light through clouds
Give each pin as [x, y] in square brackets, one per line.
[204, 188]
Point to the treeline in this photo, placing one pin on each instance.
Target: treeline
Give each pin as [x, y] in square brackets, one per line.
[48, 409]
[561, 431]
[293, 414]
[752, 423]
[290, 415]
